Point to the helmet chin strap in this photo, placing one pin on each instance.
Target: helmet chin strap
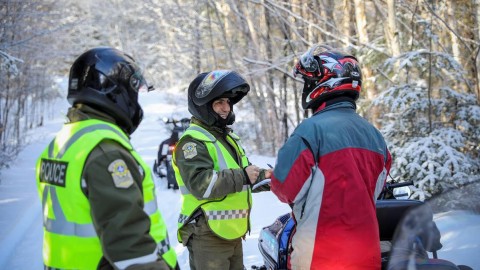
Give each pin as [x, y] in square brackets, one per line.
[222, 123]
[230, 118]
[307, 88]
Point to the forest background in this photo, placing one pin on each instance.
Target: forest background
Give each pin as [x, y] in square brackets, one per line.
[419, 62]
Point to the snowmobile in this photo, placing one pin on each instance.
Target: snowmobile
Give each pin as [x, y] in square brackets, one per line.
[162, 166]
[406, 227]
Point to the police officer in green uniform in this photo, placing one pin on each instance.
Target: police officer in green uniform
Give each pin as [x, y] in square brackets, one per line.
[97, 194]
[214, 174]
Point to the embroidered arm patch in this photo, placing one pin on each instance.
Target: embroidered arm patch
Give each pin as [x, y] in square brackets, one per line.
[189, 150]
[122, 178]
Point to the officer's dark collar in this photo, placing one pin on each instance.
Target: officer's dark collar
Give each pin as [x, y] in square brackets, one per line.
[80, 112]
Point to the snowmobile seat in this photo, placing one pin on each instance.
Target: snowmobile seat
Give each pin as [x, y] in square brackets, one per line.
[390, 214]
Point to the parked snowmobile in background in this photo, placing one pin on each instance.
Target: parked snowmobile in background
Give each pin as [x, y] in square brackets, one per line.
[162, 167]
[407, 234]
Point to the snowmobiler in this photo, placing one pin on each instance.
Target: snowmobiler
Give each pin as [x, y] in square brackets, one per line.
[406, 227]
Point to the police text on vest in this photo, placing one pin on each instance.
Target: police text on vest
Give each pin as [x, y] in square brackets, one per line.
[53, 172]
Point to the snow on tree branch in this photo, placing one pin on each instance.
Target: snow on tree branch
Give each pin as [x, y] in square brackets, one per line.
[7, 62]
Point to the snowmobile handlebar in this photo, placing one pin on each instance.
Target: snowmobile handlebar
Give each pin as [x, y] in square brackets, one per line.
[387, 192]
[392, 185]
[184, 122]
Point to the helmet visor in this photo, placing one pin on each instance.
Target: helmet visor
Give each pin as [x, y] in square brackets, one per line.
[138, 83]
[147, 79]
[308, 62]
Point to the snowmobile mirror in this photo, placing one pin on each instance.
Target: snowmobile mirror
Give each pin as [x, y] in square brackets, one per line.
[402, 193]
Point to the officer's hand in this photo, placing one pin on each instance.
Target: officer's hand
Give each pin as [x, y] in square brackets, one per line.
[268, 173]
[252, 173]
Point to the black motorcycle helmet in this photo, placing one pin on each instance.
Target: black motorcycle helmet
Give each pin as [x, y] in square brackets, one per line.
[207, 87]
[108, 80]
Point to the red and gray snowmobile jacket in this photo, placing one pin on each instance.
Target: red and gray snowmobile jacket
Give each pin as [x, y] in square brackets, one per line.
[332, 169]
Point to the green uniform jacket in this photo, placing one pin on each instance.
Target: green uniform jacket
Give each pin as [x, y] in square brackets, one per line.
[220, 191]
[106, 195]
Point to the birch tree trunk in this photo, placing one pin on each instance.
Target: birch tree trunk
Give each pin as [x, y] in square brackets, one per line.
[325, 12]
[346, 28]
[477, 39]
[361, 26]
[450, 14]
[368, 79]
[296, 10]
[361, 21]
[392, 31]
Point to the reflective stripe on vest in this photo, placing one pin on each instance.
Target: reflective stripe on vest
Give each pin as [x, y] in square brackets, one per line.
[79, 134]
[222, 163]
[228, 217]
[184, 190]
[228, 214]
[63, 233]
[162, 248]
[60, 225]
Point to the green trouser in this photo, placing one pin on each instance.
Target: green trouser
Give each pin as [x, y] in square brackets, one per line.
[208, 251]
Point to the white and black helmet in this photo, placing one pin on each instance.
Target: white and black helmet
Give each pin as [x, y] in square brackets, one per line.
[209, 86]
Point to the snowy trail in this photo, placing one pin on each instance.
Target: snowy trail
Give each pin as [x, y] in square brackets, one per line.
[20, 211]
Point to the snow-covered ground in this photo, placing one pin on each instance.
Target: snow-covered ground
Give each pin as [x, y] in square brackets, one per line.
[20, 213]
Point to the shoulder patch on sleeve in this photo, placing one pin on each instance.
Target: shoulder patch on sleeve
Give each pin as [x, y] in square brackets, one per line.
[189, 150]
[122, 178]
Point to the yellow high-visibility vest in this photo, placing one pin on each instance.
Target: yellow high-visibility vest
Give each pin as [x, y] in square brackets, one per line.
[70, 240]
[228, 217]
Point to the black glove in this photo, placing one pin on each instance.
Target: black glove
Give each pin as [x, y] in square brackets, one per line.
[261, 176]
